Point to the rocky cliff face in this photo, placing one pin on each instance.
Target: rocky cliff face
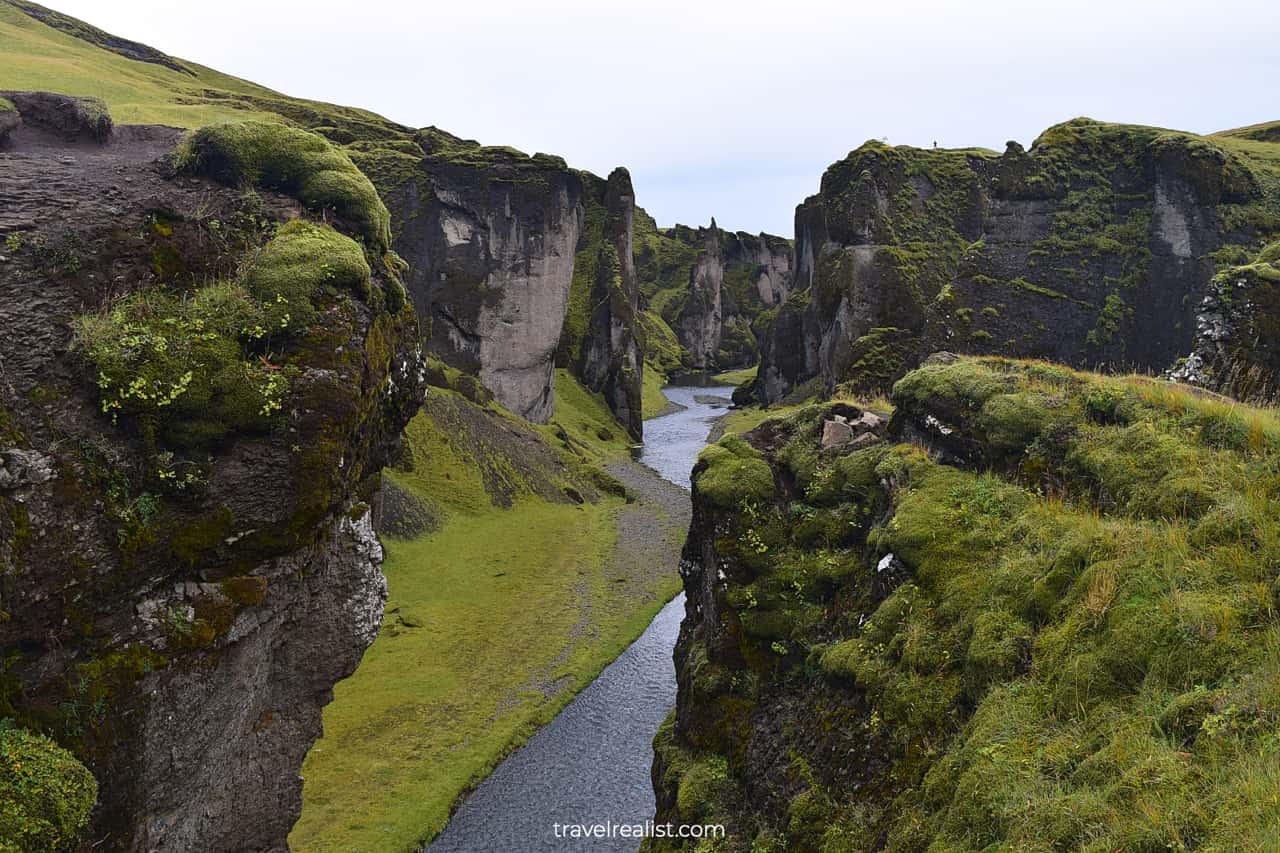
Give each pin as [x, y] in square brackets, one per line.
[980, 625]
[715, 289]
[189, 440]
[490, 236]
[699, 323]
[607, 355]
[1093, 248]
[1238, 331]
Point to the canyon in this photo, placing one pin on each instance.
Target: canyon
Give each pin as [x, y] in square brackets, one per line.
[985, 555]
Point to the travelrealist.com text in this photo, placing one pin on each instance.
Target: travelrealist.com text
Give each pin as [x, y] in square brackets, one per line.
[648, 829]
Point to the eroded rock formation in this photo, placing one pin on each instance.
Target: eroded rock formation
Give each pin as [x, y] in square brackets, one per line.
[490, 236]
[187, 563]
[609, 358]
[1095, 248]
[716, 290]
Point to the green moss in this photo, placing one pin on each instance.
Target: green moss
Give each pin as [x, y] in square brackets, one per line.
[592, 252]
[245, 591]
[1080, 643]
[662, 350]
[6, 106]
[732, 471]
[303, 259]
[261, 154]
[45, 794]
[1270, 254]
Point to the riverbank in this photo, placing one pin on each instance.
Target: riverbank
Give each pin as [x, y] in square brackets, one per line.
[595, 760]
[497, 617]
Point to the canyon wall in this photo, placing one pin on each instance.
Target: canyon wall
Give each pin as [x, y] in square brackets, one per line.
[716, 290]
[978, 623]
[201, 383]
[490, 237]
[1094, 248]
[602, 340]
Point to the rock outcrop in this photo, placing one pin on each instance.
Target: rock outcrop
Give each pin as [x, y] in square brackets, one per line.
[715, 290]
[969, 633]
[699, 324]
[607, 356]
[1237, 342]
[490, 236]
[1093, 248]
[187, 563]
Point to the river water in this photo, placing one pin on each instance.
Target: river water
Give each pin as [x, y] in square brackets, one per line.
[591, 763]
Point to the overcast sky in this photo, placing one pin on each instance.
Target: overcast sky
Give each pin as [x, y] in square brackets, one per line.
[733, 109]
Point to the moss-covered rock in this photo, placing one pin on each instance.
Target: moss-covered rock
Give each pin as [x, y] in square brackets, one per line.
[72, 118]
[1047, 619]
[177, 563]
[184, 369]
[262, 154]
[732, 471]
[1094, 247]
[290, 271]
[45, 794]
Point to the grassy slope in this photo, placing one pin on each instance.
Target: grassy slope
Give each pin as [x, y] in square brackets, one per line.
[736, 377]
[35, 56]
[652, 401]
[484, 612]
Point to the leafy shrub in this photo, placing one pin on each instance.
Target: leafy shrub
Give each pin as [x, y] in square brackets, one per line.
[45, 794]
[184, 366]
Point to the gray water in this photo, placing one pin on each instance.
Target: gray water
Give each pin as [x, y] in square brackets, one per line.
[591, 763]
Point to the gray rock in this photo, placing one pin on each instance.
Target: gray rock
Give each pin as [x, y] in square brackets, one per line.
[884, 289]
[610, 360]
[835, 433]
[20, 468]
[491, 251]
[255, 705]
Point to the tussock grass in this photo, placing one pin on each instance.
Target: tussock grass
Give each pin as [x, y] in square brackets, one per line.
[1080, 646]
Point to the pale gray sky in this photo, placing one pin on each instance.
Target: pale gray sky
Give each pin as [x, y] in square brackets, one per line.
[734, 109]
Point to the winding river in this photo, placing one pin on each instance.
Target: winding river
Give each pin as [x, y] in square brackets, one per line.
[591, 763]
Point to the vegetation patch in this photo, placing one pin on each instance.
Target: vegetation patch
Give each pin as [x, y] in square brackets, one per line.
[1058, 629]
[45, 794]
[730, 471]
[294, 161]
[188, 370]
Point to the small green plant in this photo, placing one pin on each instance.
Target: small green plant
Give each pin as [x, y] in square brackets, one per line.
[13, 242]
[45, 794]
[184, 367]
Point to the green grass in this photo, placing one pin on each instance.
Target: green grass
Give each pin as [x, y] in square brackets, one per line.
[593, 431]
[37, 57]
[433, 708]
[652, 401]
[736, 377]
[485, 613]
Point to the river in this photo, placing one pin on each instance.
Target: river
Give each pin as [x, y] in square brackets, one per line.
[591, 763]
